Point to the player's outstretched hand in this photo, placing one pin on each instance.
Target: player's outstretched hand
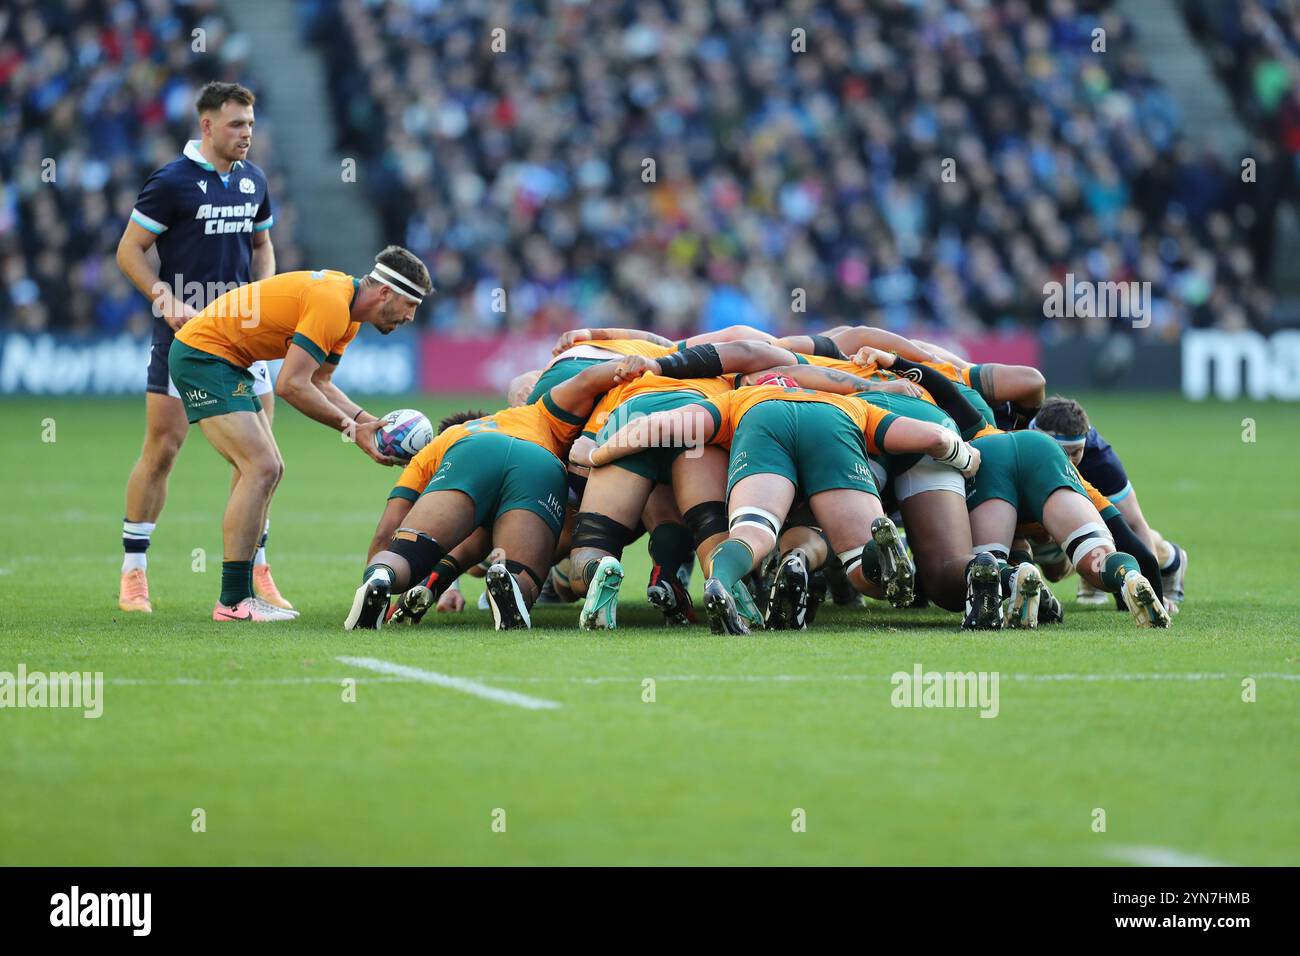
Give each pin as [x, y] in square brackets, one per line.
[633, 367]
[974, 466]
[364, 436]
[452, 601]
[568, 339]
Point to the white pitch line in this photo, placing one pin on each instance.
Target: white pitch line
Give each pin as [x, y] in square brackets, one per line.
[233, 681]
[463, 684]
[1159, 856]
[791, 678]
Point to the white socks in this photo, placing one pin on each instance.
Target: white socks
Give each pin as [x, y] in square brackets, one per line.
[133, 533]
[259, 557]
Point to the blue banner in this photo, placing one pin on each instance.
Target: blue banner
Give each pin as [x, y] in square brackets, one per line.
[50, 364]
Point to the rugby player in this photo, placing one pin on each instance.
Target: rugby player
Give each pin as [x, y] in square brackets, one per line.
[207, 217]
[1065, 420]
[504, 473]
[308, 319]
[784, 440]
[615, 498]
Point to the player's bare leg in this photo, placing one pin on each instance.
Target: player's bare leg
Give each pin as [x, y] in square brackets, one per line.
[243, 440]
[514, 582]
[756, 511]
[264, 585]
[411, 607]
[436, 523]
[700, 488]
[1071, 518]
[611, 507]
[867, 543]
[146, 493]
[938, 530]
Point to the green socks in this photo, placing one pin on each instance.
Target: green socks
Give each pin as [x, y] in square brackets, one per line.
[731, 561]
[365, 576]
[236, 581]
[1114, 568]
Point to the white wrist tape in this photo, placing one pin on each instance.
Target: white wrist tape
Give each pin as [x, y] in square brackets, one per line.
[960, 456]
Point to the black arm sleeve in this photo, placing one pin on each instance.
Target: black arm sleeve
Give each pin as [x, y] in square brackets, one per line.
[824, 345]
[945, 393]
[1126, 539]
[698, 361]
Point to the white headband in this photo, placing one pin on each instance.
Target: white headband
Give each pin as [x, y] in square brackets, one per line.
[1069, 441]
[399, 283]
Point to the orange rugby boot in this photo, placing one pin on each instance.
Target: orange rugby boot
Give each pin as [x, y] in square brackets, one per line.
[133, 594]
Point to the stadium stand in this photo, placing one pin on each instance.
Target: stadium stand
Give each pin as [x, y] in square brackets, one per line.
[106, 91]
[779, 170]
[1255, 47]
[781, 178]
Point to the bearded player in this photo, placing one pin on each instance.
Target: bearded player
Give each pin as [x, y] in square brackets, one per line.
[308, 319]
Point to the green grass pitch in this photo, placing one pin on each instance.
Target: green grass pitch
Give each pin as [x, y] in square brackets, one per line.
[249, 724]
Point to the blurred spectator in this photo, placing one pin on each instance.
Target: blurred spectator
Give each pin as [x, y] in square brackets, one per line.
[927, 162]
[95, 95]
[1255, 46]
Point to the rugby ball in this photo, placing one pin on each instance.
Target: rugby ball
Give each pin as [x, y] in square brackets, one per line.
[403, 434]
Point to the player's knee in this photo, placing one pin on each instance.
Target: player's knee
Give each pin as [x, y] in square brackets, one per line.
[161, 446]
[263, 471]
[593, 531]
[757, 527]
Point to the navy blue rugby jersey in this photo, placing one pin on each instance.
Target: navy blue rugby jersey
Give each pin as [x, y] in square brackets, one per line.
[204, 223]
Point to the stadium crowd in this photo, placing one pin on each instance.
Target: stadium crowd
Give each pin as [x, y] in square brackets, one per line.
[93, 97]
[778, 169]
[1255, 46]
[798, 154]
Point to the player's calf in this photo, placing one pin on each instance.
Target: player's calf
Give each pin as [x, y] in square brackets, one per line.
[411, 556]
